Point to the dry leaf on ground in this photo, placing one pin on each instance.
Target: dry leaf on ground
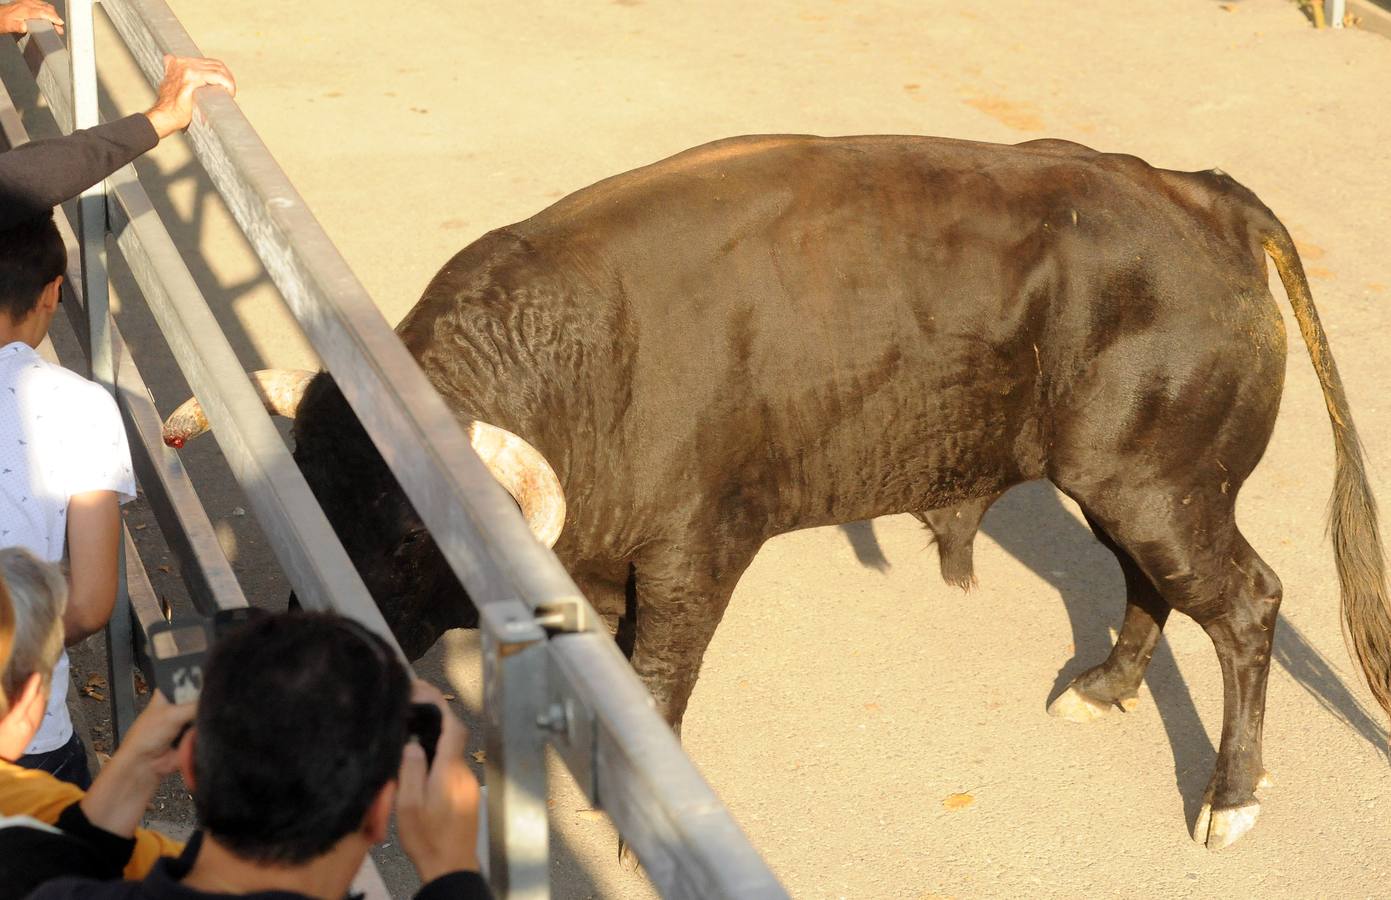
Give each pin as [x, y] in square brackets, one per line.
[958, 801]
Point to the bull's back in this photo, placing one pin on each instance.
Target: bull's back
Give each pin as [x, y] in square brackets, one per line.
[811, 330]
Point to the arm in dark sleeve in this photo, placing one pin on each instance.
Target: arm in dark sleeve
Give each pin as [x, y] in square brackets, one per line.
[456, 886]
[37, 176]
[34, 856]
[112, 850]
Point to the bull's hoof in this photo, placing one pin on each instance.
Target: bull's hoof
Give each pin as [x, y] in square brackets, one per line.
[1076, 706]
[1218, 828]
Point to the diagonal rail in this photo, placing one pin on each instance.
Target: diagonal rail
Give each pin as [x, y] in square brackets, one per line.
[623, 754]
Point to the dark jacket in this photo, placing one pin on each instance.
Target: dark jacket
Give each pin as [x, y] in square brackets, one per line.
[163, 884]
[32, 853]
[37, 176]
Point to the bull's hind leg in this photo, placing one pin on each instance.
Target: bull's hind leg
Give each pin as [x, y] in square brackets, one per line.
[1185, 541]
[1116, 682]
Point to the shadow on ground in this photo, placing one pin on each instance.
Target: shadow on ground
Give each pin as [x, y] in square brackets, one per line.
[1031, 524]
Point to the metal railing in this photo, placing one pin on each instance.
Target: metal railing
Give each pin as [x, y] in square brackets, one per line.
[552, 675]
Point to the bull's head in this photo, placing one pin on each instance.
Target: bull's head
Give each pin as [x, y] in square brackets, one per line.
[404, 570]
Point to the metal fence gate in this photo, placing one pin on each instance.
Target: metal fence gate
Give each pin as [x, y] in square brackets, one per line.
[552, 676]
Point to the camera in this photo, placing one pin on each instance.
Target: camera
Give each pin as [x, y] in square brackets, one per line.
[177, 652]
[424, 723]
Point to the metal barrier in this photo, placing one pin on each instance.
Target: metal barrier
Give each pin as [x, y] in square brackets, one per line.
[552, 675]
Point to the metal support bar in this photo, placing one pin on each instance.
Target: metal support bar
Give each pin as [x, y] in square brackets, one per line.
[91, 241]
[688, 843]
[514, 677]
[1336, 10]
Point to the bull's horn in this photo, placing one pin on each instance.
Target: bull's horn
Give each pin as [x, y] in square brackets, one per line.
[280, 390]
[517, 465]
[530, 480]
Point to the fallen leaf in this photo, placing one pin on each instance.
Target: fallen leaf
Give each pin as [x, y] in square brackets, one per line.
[591, 815]
[94, 687]
[958, 801]
[480, 756]
[164, 569]
[872, 707]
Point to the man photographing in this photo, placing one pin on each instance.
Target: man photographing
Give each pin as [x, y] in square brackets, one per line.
[299, 751]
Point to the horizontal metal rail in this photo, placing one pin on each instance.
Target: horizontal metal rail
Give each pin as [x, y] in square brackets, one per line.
[630, 764]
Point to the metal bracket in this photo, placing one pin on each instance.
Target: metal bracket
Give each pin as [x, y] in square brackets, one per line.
[564, 615]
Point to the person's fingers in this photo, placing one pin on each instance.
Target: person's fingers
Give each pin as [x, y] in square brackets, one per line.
[424, 692]
[453, 739]
[410, 788]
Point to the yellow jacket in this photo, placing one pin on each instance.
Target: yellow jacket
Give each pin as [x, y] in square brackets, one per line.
[29, 792]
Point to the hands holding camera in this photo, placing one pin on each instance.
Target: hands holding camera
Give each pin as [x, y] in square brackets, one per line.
[437, 806]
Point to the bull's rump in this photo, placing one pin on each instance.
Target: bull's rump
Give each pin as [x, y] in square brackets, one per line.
[811, 330]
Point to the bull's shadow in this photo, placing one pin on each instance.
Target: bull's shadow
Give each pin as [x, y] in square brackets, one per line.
[1031, 524]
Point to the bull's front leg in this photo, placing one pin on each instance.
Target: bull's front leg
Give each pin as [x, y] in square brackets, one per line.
[681, 598]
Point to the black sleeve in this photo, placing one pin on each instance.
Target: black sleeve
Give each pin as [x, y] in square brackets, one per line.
[32, 856]
[456, 886]
[113, 850]
[37, 176]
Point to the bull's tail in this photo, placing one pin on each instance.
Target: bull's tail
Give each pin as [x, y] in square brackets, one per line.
[1352, 521]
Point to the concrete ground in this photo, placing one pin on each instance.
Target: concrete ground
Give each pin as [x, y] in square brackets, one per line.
[878, 734]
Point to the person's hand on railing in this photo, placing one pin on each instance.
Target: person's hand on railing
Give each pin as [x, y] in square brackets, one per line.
[183, 75]
[122, 790]
[14, 15]
[437, 811]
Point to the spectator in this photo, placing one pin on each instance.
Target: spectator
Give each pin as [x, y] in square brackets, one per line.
[64, 463]
[294, 762]
[39, 175]
[48, 827]
[64, 468]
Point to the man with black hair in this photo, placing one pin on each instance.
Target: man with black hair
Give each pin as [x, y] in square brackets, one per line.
[64, 468]
[299, 750]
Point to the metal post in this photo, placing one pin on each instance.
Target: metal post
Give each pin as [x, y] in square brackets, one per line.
[1336, 11]
[91, 240]
[514, 683]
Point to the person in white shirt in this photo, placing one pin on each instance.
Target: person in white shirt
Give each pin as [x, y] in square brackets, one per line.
[64, 469]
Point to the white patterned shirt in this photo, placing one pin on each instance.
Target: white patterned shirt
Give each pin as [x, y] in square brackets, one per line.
[60, 435]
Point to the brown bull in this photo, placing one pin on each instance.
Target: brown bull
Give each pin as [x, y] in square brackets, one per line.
[772, 333]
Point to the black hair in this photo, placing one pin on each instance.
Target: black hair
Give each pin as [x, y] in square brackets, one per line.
[301, 721]
[32, 254]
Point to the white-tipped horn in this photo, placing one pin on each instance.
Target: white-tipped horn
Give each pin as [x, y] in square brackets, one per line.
[530, 480]
[281, 391]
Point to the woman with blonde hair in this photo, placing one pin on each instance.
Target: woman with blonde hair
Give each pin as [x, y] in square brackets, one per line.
[50, 828]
